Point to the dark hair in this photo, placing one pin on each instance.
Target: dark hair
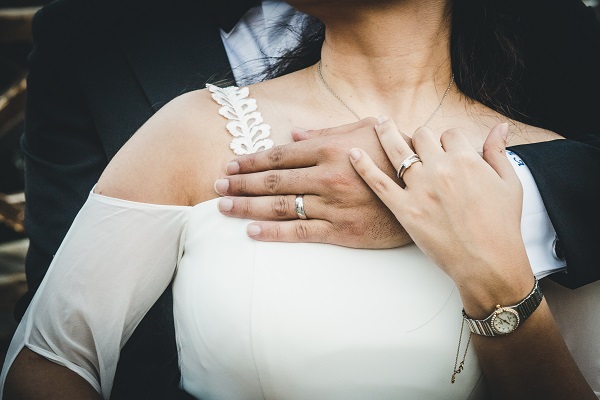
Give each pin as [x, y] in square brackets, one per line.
[310, 36]
[487, 61]
[484, 50]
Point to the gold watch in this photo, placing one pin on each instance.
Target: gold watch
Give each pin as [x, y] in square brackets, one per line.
[506, 319]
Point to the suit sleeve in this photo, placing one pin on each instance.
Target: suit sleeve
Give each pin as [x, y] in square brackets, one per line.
[63, 154]
[567, 174]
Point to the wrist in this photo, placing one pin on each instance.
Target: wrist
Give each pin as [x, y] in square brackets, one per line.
[481, 294]
[506, 318]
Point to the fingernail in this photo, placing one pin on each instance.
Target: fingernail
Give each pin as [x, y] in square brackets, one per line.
[299, 129]
[221, 186]
[382, 119]
[225, 204]
[253, 230]
[504, 130]
[300, 135]
[355, 155]
[232, 168]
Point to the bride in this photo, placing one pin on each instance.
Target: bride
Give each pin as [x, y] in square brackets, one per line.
[275, 320]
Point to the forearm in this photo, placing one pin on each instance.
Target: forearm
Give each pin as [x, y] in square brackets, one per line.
[469, 226]
[34, 377]
[531, 363]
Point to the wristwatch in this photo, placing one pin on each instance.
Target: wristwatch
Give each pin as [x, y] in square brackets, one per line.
[505, 319]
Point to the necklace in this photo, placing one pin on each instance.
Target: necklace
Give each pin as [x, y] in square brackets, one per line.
[356, 114]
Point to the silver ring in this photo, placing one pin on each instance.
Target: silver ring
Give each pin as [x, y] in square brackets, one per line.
[406, 164]
[300, 207]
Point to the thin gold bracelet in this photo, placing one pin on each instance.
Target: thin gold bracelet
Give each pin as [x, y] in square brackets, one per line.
[462, 363]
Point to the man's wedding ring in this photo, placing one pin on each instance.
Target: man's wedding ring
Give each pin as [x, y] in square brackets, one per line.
[406, 164]
[300, 207]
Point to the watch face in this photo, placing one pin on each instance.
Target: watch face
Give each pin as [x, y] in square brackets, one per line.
[505, 320]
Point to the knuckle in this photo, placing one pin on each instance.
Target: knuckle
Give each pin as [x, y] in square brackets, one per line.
[337, 180]
[275, 232]
[243, 185]
[465, 158]
[301, 231]
[400, 151]
[421, 133]
[352, 228]
[245, 207]
[330, 149]
[442, 173]
[276, 156]
[451, 133]
[380, 185]
[369, 122]
[238, 184]
[272, 181]
[327, 131]
[280, 206]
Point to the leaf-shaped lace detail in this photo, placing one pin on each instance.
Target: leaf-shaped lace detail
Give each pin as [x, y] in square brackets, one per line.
[246, 125]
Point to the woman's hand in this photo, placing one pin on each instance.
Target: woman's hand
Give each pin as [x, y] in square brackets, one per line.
[462, 210]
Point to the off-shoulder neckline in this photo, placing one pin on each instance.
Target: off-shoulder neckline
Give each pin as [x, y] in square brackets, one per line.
[139, 204]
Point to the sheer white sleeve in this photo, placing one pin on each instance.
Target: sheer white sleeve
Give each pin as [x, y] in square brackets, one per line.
[116, 260]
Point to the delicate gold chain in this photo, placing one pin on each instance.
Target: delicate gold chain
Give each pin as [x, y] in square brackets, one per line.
[356, 114]
[441, 101]
[334, 93]
[462, 363]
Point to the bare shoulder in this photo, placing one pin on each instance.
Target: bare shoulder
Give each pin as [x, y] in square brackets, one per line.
[174, 157]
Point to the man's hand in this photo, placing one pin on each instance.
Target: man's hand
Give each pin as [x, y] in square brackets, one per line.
[340, 207]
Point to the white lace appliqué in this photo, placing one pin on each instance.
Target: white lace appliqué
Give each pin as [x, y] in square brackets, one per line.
[246, 125]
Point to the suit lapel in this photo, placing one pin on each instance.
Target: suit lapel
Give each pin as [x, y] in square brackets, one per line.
[173, 50]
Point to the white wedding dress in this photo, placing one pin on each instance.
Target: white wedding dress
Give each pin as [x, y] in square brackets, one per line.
[258, 320]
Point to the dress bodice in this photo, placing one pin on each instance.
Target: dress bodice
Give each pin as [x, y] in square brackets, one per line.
[257, 320]
[261, 320]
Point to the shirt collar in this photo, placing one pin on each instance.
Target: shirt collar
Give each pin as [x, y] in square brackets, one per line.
[229, 12]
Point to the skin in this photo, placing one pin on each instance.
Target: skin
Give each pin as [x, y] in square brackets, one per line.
[335, 193]
[463, 210]
[178, 154]
[413, 59]
[34, 377]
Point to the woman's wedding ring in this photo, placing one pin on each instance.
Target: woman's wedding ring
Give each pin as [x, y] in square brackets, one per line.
[406, 164]
[300, 207]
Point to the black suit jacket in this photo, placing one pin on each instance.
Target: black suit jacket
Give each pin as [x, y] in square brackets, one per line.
[100, 69]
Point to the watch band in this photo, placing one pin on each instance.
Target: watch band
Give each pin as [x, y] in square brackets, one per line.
[523, 310]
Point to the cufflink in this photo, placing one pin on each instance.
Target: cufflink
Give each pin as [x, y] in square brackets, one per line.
[557, 249]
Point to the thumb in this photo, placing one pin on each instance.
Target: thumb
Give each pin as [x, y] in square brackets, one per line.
[300, 134]
[494, 153]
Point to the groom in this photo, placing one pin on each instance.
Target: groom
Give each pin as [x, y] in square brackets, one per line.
[98, 71]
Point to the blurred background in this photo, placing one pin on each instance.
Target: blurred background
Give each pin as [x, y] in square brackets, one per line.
[15, 45]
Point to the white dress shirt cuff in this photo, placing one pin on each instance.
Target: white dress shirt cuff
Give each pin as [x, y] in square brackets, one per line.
[538, 233]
